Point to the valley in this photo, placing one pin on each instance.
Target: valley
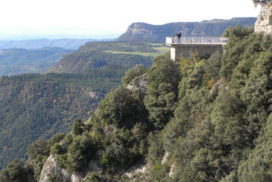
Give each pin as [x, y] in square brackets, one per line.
[37, 106]
[20, 61]
[106, 110]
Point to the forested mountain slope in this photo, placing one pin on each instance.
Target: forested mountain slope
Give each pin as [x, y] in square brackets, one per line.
[19, 61]
[199, 120]
[34, 106]
[37, 106]
[102, 55]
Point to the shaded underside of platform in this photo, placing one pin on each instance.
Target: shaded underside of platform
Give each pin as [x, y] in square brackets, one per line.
[200, 50]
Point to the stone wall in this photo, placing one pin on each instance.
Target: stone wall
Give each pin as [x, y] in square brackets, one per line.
[264, 20]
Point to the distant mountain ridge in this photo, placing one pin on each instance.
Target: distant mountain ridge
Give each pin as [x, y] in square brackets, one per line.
[18, 61]
[125, 49]
[157, 33]
[42, 43]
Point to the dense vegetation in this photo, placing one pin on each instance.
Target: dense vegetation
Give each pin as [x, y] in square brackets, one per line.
[104, 55]
[18, 61]
[157, 33]
[220, 127]
[201, 120]
[93, 56]
[37, 106]
[34, 106]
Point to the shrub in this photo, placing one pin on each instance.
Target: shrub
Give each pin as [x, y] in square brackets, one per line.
[133, 73]
[122, 109]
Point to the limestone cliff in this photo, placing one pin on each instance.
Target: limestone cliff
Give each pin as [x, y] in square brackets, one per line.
[157, 33]
[53, 172]
[139, 84]
[264, 21]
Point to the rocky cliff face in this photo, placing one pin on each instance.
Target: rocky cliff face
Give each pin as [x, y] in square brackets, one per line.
[157, 33]
[53, 172]
[264, 21]
[139, 84]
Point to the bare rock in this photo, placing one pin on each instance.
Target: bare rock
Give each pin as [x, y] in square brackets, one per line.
[264, 20]
[51, 171]
[172, 170]
[217, 86]
[76, 178]
[139, 84]
[165, 158]
[140, 173]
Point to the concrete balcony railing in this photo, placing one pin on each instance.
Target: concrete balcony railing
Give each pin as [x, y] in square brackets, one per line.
[196, 40]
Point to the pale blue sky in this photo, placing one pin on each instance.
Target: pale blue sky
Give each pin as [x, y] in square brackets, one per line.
[110, 16]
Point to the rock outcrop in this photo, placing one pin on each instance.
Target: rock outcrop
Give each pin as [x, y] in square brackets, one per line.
[140, 173]
[157, 33]
[139, 84]
[219, 84]
[53, 172]
[264, 21]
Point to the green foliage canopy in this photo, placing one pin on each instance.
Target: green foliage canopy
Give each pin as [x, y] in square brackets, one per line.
[162, 91]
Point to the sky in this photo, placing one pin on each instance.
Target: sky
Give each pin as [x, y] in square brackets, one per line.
[110, 17]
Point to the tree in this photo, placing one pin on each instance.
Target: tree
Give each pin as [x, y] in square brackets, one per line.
[162, 91]
[132, 73]
[122, 109]
[78, 127]
[80, 151]
[258, 167]
[40, 147]
[235, 49]
[15, 172]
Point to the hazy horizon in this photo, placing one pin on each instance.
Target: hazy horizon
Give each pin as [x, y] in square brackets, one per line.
[32, 33]
[107, 19]
[28, 33]
[20, 37]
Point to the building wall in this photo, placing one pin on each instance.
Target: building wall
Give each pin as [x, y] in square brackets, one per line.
[203, 51]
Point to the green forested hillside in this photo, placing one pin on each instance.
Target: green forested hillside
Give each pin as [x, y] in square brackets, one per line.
[201, 120]
[34, 106]
[102, 55]
[220, 127]
[19, 61]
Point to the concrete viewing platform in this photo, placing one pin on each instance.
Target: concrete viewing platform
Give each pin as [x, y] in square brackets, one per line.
[196, 40]
[201, 46]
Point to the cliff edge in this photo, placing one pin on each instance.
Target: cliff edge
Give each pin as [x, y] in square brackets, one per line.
[264, 20]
